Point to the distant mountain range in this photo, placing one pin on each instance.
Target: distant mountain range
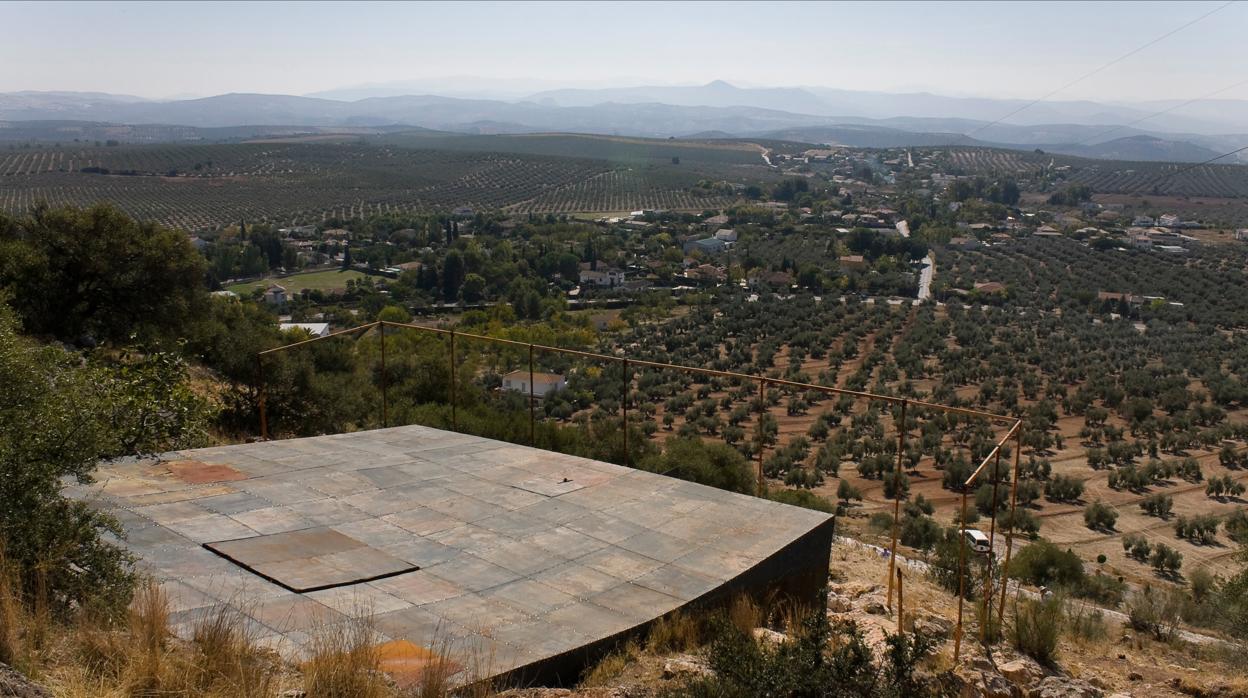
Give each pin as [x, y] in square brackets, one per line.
[816, 115]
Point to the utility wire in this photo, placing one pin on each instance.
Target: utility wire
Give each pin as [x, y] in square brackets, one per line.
[1167, 175]
[1104, 66]
[1111, 129]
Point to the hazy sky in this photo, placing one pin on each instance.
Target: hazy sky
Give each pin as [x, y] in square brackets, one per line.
[973, 48]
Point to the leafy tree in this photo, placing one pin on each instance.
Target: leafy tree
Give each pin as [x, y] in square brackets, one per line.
[98, 275]
[846, 492]
[1166, 560]
[1099, 516]
[59, 417]
[714, 464]
[1159, 505]
[1063, 488]
[474, 288]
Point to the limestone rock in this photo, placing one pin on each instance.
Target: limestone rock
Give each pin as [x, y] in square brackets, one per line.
[979, 679]
[839, 604]
[1064, 687]
[684, 666]
[767, 636]
[1022, 672]
[933, 625]
[987, 685]
[873, 605]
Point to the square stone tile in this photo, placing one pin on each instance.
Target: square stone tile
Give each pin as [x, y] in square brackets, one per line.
[205, 529]
[577, 580]
[294, 612]
[636, 603]
[358, 600]
[473, 573]
[419, 587]
[271, 520]
[422, 521]
[619, 563]
[674, 581]
[234, 503]
[531, 596]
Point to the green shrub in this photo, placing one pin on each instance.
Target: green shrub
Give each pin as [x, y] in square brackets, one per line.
[801, 498]
[1154, 612]
[1236, 525]
[1037, 627]
[920, 532]
[1044, 564]
[1086, 622]
[811, 664]
[1101, 588]
[709, 463]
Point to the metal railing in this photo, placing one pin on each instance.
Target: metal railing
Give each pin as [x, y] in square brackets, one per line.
[1014, 432]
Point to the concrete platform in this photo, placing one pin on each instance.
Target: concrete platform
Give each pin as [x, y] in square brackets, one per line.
[522, 560]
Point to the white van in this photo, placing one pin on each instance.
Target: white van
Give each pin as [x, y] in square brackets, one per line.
[976, 540]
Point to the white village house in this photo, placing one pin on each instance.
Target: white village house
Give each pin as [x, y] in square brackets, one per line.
[606, 276]
[543, 383]
[316, 329]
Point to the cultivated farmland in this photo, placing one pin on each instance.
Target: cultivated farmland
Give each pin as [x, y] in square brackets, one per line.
[198, 187]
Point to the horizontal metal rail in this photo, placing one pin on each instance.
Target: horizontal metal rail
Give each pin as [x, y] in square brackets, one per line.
[1014, 431]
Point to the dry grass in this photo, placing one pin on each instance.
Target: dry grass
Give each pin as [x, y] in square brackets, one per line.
[610, 667]
[345, 662]
[12, 615]
[142, 659]
[676, 632]
[745, 614]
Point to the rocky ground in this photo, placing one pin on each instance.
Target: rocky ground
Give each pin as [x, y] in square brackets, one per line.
[1120, 663]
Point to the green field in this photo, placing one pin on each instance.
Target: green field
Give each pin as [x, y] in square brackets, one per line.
[328, 280]
[196, 187]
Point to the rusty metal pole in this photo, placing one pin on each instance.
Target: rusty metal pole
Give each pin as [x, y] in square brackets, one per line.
[986, 620]
[260, 398]
[532, 402]
[624, 407]
[1009, 530]
[385, 407]
[762, 409]
[892, 552]
[454, 387]
[957, 631]
[901, 603]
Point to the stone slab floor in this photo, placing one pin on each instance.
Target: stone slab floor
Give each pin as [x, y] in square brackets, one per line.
[502, 554]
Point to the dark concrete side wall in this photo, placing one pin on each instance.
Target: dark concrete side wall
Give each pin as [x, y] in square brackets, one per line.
[796, 573]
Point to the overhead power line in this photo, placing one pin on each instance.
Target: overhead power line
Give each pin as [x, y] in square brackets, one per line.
[1168, 175]
[1102, 67]
[1193, 100]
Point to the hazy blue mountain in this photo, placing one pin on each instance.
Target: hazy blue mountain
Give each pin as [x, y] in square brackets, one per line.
[1140, 148]
[733, 111]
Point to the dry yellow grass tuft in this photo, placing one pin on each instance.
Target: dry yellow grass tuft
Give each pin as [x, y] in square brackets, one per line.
[141, 658]
[345, 662]
[609, 668]
[676, 632]
[745, 614]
